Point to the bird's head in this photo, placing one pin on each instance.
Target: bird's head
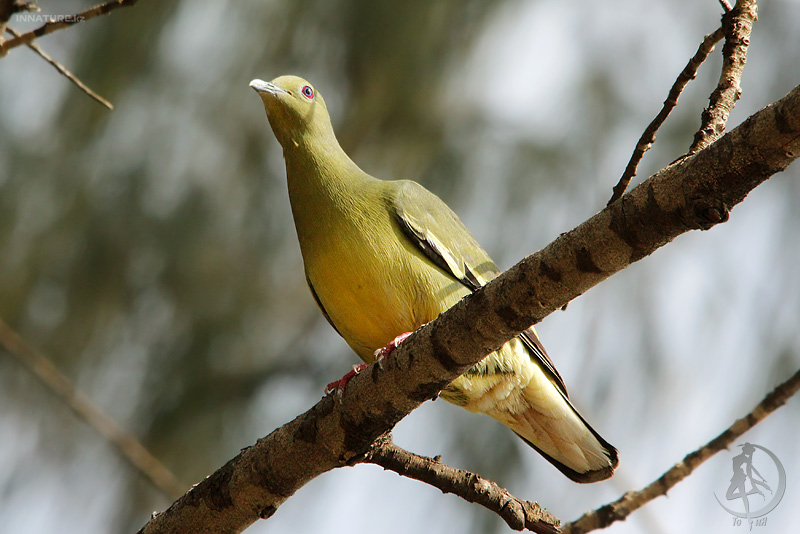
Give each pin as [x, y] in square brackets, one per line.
[296, 111]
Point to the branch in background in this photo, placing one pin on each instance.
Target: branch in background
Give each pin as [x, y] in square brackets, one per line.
[620, 509]
[695, 193]
[737, 25]
[63, 70]
[125, 442]
[649, 135]
[62, 22]
[8, 8]
[517, 513]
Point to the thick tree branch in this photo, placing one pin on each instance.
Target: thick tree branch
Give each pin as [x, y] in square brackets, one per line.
[737, 25]
[633, 500]
[649, 135]
[61, 22]
[517, 513]
[694, 193]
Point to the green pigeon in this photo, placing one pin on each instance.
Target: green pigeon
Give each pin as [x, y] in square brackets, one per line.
[384, 257]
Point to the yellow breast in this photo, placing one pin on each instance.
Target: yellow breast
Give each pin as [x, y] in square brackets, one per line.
[375, 289]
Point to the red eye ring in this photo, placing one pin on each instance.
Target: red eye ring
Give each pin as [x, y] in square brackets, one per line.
[307, 91]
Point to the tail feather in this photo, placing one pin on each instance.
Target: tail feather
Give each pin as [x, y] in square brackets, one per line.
[550, 424]
[546, 420]
[570, 444]
[527, 396]
[540, 412]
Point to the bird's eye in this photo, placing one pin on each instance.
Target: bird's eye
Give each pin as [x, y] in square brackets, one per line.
[307, 91]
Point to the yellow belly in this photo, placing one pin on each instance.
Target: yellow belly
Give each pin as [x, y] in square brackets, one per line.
[374, 292]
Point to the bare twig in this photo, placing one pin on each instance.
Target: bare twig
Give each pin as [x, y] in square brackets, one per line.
[125, 442]
[8, 8]
[620, 509]
[737, 25]
[63, 70]
[725, 5]
[63, 22]
[649, 135]
[517, 513]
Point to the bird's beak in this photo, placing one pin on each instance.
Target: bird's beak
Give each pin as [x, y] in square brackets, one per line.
[262, 87]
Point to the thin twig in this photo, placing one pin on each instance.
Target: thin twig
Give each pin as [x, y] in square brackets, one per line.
[517, 513]
[725, 5]
[8, 8]
[649, 135]
[125, 442]
[737, 25]
[620, 509]
[62, 22]
[63, 70]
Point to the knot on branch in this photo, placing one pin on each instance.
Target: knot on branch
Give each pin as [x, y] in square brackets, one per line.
[708, 213]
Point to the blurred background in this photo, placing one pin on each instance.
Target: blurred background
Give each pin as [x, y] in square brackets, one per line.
[150, 251]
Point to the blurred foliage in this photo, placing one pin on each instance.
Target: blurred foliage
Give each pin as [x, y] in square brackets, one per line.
[149, 251]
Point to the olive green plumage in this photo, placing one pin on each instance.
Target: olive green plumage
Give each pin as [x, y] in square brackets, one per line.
[385, 257]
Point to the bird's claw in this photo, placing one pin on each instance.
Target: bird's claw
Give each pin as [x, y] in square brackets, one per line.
[340, 385]
[384, 352]
[380, 354]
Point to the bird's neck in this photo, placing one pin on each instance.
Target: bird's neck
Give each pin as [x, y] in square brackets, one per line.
[321, 168]
[326, 188]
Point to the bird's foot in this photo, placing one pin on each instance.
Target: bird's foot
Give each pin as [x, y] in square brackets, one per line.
[384, 352]
[341, 384]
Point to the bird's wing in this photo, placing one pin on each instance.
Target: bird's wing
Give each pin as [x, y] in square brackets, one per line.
[440, 235]
[433, 228]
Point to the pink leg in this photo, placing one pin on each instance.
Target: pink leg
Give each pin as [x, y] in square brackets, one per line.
[383, 352]
[380, 354]
[341, 384]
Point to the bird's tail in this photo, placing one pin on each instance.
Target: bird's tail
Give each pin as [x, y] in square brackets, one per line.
[519, 386]
[553, 427]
